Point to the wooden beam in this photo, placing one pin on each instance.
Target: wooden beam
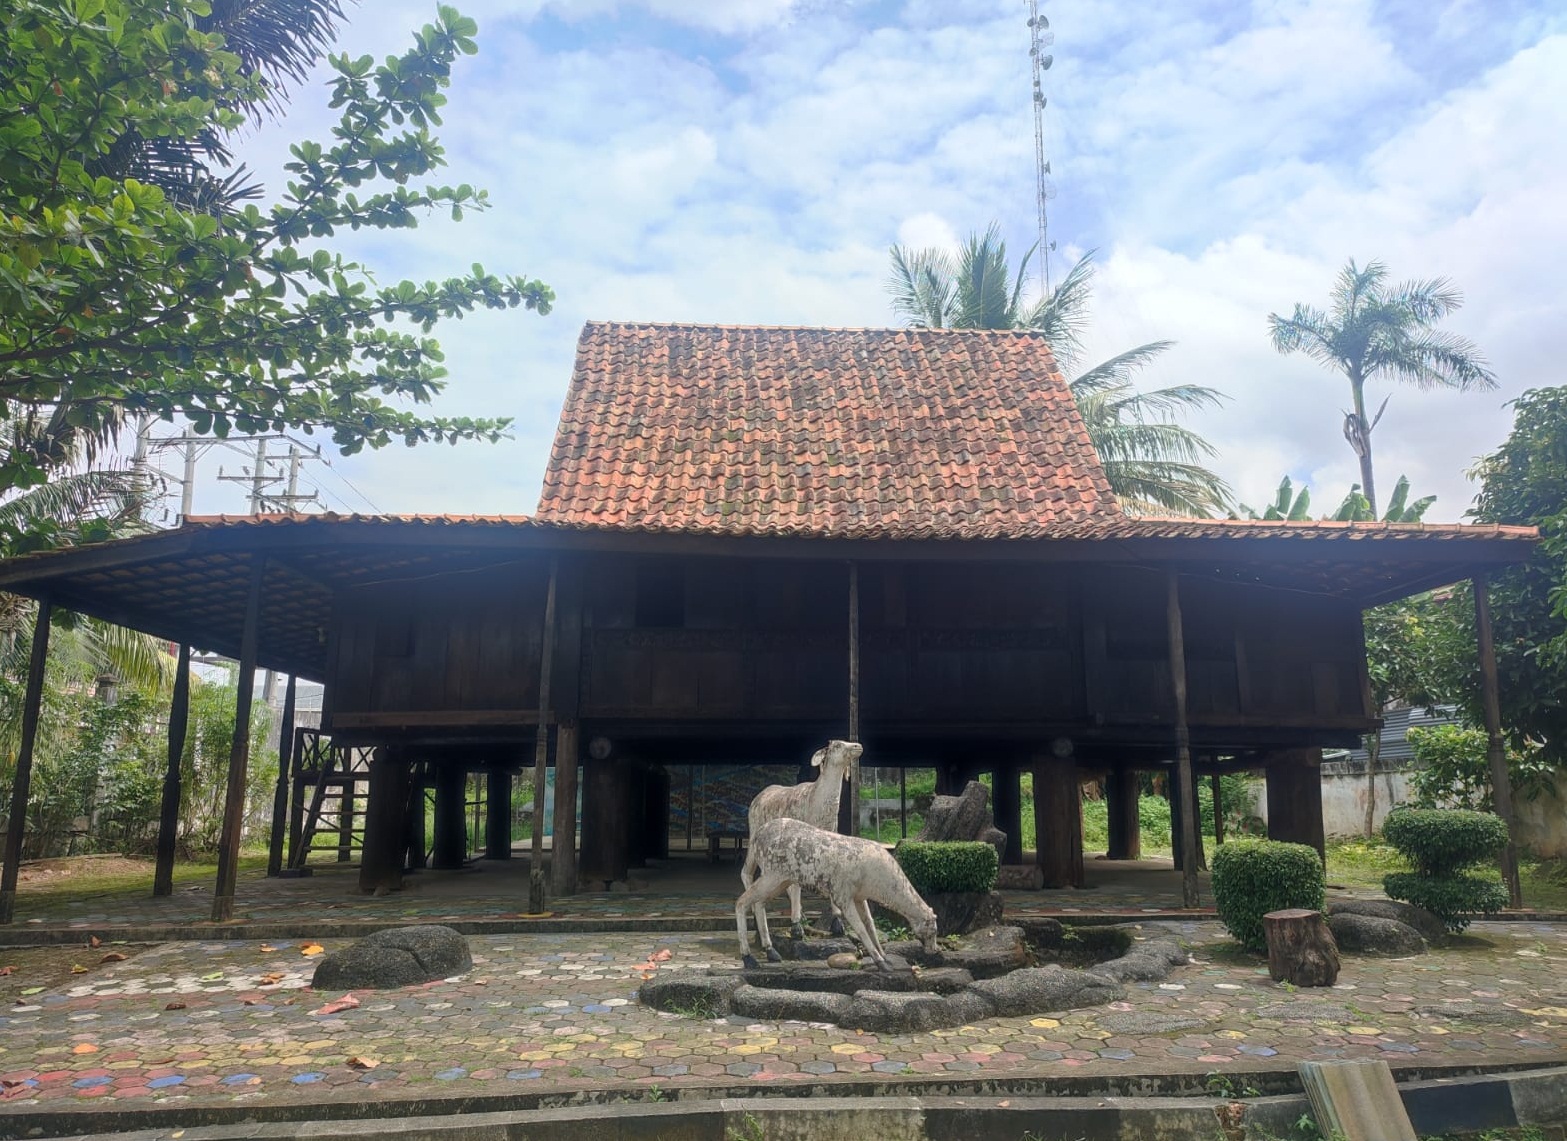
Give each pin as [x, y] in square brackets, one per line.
[563, 848]
[1183, 743]
[854, 695]
[541, 736]
[1496, 747]
[169, 811]
[21, 781]
[239, 751]
[285, 757]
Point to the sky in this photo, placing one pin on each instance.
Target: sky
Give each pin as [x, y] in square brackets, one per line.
[752, 161]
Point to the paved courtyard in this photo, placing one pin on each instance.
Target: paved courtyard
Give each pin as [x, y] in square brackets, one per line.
[233, 1021]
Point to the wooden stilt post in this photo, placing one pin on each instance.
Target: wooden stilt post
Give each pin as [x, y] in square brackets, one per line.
[32, 705]
[497, 814]
[853, 828]
[1058, 821]
[563, 849]
[1218, 809]
[1122, 789]
[541, 738]
[1007, 802]
[1496, 748]
[239, 752]
[903, 805]
[296, 799]
[285, 754]
[169, 811]
[1185, 791]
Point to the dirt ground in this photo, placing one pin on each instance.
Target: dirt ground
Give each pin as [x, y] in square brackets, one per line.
[68, 868]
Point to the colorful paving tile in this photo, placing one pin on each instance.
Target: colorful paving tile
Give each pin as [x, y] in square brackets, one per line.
[232, 1020]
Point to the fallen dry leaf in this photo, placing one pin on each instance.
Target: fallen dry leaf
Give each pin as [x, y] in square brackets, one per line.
[95, 942]
[363, 1063]
[347, 1002]
[308, 949]
[6, 971]
[175, 1006]
[267, 948]
[661, 956]
[113, 957]
[78, 969]
[84, 1048]
[271, 978]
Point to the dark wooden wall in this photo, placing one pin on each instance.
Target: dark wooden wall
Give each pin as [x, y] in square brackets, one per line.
[942, 644]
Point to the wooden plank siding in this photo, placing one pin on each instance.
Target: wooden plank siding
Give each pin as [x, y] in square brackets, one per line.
[662, 639]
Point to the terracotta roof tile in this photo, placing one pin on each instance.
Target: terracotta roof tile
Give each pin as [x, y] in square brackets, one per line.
[890, 433]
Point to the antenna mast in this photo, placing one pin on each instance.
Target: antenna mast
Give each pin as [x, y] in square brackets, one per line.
[1040, 37]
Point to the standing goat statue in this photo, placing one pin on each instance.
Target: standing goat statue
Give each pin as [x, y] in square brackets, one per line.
[815, 802]
[850, 871]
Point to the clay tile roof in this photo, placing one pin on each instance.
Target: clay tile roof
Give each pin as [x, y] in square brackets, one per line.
[892, 433]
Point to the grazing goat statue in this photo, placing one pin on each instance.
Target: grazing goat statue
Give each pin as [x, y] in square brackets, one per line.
[850, 871]
[815, 802]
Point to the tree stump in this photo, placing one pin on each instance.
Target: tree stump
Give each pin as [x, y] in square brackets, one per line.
[1301, 948]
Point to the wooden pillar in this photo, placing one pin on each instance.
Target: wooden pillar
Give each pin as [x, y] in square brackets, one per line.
[606, 826]
[1058, 821]
[563, 850]
[296, 805]
[239, 752]
[497, 814]
[169, 811]
[903, 806]
[1190, 836]
[1295, 798]
[1496, 748]
[1218, 809]
[1006, 794]
[1122, 792]
[634, 791]
[451, 819]
[32, 705]
[541, 736]
[386, 822]
[854, 700]
[1177, 825]
[285, 752]
[655, 815]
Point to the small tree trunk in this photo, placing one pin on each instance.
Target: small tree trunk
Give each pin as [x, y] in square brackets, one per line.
[1373, 752]
[1301, 948]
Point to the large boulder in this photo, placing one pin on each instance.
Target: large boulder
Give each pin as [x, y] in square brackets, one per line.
[828, 980]
[957, 912]
[964, 817]
[788, 1005]
[1037, 990]
[1432, 929]
[398, 956]
[883, 1012]
[990, 952]
[1368, 935]
[1144, 962]
[691, 994]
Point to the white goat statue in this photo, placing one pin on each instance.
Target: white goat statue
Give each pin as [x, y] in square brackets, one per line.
[850, 871]
[815, 802]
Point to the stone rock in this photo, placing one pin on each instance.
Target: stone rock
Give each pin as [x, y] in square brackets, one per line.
[1041, 934]
[959, 912]
[686, 992]
[1368, 935]
[965, 1007]
[1144, 962]
[883, 1012]
[1020, 877]
[1306, 1010]
[1038, 990]
[964, 817]
[844, 961]
[398, 956]
[990, 952]
[1485, 1013]
[943, 980]
[1146, 1022]
[788, 1005]
[1432, 929]
[830, 980]
[813, 949]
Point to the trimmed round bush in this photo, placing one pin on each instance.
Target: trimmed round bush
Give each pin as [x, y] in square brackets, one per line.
[1441, 843]
[1254, 877]
[1452, 899]
[949, 865]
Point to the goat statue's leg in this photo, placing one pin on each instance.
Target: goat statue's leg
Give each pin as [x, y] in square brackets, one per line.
[849, 909]
[863, 909]
[756, 897]
[796, 913]
[772, 886]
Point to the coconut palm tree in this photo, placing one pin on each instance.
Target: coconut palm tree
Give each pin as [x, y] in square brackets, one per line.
[1153, 463]
[1375, 331]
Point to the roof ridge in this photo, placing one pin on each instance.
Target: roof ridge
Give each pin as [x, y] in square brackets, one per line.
[731, 327]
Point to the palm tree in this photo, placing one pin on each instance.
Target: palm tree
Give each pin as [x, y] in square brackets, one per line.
[1153, 464]
[1376, 330]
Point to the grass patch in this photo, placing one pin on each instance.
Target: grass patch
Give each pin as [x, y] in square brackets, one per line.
[79, 879]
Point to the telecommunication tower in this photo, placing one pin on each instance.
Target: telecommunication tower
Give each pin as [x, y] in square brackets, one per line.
[1041, 37]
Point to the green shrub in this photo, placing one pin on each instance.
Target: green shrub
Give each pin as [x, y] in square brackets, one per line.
[1442, 843]
[1254, 877]
[1452, 899]
[937, 867]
